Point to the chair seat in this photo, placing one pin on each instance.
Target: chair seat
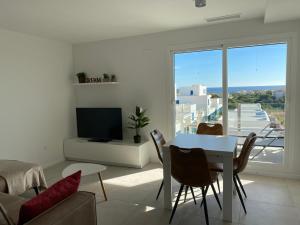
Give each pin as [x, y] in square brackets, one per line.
[218, 167]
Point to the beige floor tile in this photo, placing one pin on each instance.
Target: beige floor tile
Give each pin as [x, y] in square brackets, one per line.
[269, 214]
[268, 190]
[115, 212]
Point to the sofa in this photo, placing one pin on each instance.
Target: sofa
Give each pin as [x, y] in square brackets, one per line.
[77, 209]
[3, 185]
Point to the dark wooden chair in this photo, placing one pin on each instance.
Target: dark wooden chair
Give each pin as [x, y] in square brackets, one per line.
[211, 129]
[239, 164]
[159, 141]
[190, 168]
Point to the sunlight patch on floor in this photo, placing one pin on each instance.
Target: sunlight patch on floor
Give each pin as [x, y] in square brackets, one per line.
[136, 179]
[149, 208]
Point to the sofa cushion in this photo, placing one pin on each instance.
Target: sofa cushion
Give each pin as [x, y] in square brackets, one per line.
[12, 205]
[4, 217]
[77, 209]
[47, 199]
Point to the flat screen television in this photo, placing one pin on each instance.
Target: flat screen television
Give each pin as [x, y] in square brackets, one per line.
[99, 124]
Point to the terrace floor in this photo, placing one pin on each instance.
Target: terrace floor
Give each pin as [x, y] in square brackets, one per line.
[131, 199]
[268, 155]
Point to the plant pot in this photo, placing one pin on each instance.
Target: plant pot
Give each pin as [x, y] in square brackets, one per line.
[81, 78]
[113, 78]
[137, 139]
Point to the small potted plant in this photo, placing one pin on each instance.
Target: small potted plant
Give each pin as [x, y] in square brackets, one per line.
[138, 121]
[81, 77]
[106, 77]
[113, 78]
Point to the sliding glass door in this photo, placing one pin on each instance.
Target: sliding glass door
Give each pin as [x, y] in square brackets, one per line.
[256, 98]
[242, 87]
[198, 82]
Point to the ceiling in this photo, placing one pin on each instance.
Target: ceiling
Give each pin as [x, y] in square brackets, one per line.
[90, 20]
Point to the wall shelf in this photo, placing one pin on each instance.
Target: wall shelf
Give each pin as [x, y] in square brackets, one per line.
[95, 84]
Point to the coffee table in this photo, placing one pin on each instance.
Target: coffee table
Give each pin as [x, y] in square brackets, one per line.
[86, 169]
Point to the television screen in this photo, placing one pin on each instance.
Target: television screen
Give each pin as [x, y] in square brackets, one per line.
[99, 123]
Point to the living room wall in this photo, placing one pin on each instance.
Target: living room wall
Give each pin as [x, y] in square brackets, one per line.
[35, 96]
[142, 65]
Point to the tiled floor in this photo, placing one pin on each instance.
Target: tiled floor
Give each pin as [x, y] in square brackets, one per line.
[131, 199]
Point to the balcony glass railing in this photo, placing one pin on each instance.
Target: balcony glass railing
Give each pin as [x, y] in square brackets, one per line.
[260, 118]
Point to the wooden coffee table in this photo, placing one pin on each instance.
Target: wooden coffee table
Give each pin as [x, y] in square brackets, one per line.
[86, 169]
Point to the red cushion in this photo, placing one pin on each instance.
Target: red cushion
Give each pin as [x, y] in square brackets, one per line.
[47, 199]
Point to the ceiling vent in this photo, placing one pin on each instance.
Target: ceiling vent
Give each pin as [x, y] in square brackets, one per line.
[222, 18]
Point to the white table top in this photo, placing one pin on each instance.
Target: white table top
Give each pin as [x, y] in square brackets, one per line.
[220, 144]
[86, 169]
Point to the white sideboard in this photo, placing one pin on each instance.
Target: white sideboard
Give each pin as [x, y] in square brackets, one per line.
[122, 153]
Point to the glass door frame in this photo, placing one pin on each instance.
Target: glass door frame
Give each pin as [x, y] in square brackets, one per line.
[288, 38]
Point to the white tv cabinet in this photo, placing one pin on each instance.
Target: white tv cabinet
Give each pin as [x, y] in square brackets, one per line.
[122, 153]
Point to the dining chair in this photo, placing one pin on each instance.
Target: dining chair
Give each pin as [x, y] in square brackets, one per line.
[159, 141]
[239, 165]
[211, 129]
[190, 168]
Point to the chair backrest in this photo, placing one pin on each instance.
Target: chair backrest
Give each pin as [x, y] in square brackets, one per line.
[248, 145]
[159, 141]
[210, 129]
[190, 166]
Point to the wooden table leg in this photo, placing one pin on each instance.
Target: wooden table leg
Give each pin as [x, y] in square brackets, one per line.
[36, 190]
[101, 182]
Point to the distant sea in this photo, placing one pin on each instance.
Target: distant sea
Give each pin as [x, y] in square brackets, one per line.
[218, 90]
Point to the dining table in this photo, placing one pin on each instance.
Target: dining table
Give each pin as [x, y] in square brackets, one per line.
[219, 149]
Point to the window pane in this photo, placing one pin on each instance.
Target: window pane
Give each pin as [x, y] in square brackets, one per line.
[256, 101]
[198, 85]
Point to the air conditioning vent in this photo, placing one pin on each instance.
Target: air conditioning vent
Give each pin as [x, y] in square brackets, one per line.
[221, 18]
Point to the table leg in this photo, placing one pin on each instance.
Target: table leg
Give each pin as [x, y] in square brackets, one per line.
[101, 182]
[167, 178]
[227, 193]
[36, 190]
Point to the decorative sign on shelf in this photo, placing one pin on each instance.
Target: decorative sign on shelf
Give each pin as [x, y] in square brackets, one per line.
[83, 78]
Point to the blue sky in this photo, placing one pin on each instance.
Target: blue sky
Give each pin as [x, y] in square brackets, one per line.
[249, 66]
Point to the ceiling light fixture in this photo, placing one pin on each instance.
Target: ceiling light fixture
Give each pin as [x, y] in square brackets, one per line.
[200, 3]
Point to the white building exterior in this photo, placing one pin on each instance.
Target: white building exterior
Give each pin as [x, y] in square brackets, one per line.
[194, 90]
[186, 117]
[279, 93]
[195, 99]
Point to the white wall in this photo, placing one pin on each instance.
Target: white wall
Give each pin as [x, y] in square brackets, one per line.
[35, 97]
[143, 69]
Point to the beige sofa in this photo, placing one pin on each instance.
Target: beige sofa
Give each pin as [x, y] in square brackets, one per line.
[3, 185]
[78, 209]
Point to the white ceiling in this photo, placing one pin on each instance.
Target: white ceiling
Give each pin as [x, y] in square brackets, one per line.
[90, 20]
[282, 10]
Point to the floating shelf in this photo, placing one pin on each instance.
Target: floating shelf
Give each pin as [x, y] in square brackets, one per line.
[94, 84]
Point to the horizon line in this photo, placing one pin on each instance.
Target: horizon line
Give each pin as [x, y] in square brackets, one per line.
[275, 85]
